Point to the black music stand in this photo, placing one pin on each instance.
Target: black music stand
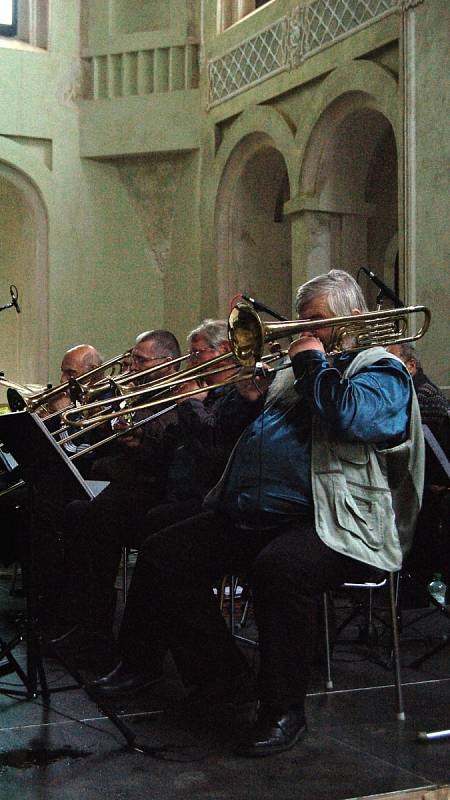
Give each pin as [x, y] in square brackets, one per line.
[442, 460]
[50, 476]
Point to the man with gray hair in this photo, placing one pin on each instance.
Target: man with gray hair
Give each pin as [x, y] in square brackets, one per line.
[208, 341]
[312, 495]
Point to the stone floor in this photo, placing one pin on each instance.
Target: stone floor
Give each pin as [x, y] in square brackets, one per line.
[355, 747]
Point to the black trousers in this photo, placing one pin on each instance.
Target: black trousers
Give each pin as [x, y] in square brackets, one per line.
[171, 604]
[95, 533]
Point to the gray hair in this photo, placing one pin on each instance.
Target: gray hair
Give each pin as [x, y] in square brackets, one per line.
[215, 332]
[166, 343]
[407, 352]
[342, 292]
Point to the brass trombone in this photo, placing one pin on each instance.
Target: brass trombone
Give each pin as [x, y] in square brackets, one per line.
[158, 387]
[20, 397]
[248, 335]
[83, 394]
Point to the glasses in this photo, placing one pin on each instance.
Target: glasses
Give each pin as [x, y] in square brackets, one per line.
[143, 359]
[197, 353]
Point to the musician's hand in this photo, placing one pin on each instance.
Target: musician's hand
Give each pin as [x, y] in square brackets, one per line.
[59, 403]
[254, 388]
[305, 342]
[132, 439]
[188, 387]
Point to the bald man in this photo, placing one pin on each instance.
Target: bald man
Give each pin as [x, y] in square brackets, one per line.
[76, 361]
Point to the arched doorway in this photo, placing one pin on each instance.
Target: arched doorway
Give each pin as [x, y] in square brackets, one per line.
[23, 242]
[253, 234]
[350, 173]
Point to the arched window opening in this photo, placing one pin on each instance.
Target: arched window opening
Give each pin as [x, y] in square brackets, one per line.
[253, 234]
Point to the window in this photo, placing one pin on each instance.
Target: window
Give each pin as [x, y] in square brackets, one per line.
[25, 21]
[8, 17]
[232, 11]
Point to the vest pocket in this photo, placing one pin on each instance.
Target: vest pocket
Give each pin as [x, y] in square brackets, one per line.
[362, 513]
[351, 452]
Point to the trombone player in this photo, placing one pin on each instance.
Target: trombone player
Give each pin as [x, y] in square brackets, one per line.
[76, 361]
[323, 486]
[144, 475]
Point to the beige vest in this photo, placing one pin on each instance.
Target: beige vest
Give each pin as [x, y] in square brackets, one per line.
[366, 499]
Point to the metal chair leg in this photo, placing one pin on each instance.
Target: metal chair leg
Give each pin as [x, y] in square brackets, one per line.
[393, 589]
[329, 680]
[125, 573]
[396, 648]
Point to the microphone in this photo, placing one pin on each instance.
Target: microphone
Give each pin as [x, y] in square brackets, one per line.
[261, 307]
[384, 289]
[14, 297]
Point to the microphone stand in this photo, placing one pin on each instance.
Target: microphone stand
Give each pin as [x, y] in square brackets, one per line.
[261, 307]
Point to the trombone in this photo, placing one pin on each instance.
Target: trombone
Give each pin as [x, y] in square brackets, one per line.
[83, 394]
[248, 334]
[21, 397]
[159, 387]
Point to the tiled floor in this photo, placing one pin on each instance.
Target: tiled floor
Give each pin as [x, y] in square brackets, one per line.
[355, 746]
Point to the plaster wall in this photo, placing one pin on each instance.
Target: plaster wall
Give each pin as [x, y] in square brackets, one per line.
[132, 227]
[16, 237]
[105, 282]
[429, 154]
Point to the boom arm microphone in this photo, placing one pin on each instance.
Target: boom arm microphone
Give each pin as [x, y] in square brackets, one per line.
[261, 307]
[14, 297]
[382, 286]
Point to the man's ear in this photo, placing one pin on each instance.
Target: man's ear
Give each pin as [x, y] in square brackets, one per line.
[224, 347]
[411, 366]
[356, 312]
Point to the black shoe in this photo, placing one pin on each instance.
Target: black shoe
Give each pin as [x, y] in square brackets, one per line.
[123, 680]
[65, 632]
[274, 731]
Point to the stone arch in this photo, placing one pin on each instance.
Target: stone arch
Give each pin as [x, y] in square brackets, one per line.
[24, 234]
[346, 210]
[254, 167]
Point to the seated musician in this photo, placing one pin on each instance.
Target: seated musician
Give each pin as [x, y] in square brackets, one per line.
[170, 463]
[75, 362]
[431, 549]
[323, 486]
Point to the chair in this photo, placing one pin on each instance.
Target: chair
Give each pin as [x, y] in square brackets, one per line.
[127, 553]
[232, 588]
[391, 579]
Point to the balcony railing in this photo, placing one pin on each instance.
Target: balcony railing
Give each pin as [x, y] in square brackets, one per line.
[289, 41]
[141, 72]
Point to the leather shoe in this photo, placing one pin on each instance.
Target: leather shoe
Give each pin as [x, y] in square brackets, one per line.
[123, 680]
[275, 730]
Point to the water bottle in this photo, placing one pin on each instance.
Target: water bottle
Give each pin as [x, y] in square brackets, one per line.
[438, 589]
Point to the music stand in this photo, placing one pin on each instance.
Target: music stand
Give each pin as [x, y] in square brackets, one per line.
[442, 460]
[50, 475]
